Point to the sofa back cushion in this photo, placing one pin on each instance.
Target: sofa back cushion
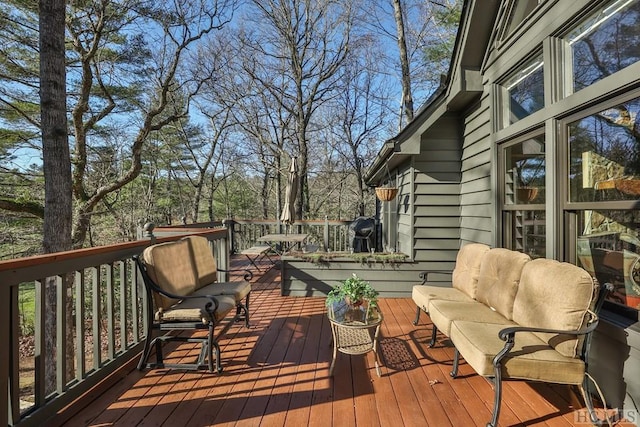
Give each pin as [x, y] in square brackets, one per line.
[499, 277]
[467, 270]
[206, 267]
[171, 267]
[554, 295]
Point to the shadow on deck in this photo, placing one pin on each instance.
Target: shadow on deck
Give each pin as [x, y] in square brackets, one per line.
[276, 373]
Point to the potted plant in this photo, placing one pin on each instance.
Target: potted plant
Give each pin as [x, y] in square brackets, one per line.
[354, 291]
[356, 295]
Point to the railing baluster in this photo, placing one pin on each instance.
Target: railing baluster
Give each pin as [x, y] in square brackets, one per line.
[80, 329]
[123, 307]
[111, 324]
[40, 346]
[96, 317]
[135, 330]
[61, 334]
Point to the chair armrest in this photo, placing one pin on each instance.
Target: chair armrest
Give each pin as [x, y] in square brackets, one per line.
[248, 274]
[424, 275]
[153, 286]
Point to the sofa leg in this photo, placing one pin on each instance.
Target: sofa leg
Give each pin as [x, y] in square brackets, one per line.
[586, 396]
[415, 321]
[434, 333]
[456, 360]
[497, 399]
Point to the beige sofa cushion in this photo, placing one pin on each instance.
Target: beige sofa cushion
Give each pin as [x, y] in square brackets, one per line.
[499, 277]
[423, 294]
[238, 290]
[193, 310]
[554, 295]
[467, 269]
[530, 359]
[205, 262]
[171, 267]
[443, 313]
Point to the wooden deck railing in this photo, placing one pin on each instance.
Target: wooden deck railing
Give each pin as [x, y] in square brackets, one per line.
[99, 302]
[327, 234]
[99, 308]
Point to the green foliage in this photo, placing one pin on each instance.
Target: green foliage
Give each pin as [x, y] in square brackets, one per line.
[355, 290]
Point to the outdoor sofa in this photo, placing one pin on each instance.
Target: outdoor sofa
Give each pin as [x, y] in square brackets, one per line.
[511, 317]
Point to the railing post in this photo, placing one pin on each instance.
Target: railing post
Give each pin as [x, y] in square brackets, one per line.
[147, 232]
[230, 224]
[326, 233]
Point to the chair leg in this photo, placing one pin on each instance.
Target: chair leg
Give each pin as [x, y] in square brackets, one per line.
[456, 361]
[210, 349]
[434, 333]
[145, 351]
[246, 310]
[415, 321]
[497, 399]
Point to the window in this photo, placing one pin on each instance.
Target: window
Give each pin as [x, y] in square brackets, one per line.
[606, 42]
[523, 173]
[608, 247]
[604, 160]
[524, 90]
[518, 12]
[604, 187]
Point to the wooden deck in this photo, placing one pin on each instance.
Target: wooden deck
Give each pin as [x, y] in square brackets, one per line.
[276, 374]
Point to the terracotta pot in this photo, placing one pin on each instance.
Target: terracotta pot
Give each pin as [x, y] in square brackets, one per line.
[526, 194]
[386, 193]
[633, 301]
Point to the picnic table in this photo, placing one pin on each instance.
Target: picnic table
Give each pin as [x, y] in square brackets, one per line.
[281, 244]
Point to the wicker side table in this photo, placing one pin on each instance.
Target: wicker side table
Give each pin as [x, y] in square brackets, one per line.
[355, 331]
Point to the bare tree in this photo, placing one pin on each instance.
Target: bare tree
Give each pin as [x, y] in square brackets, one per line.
[407, 96]
[300, 46]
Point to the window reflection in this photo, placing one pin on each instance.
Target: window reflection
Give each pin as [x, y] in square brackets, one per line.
[520, 9]
[525, 172]
[528, 232]
[605, 155]
[525, 90]
[605, 43]
[609, 249]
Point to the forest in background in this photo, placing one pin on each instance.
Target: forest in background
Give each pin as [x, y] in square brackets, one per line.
[191, 110]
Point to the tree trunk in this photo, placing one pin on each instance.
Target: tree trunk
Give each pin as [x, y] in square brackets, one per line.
[407, 97]
[56, 166]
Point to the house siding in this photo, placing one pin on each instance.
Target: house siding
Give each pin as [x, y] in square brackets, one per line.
[436, 206]
[477, 218]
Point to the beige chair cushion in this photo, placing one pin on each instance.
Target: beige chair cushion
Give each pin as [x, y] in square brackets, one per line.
[193, 310]
[238, 290]
[443, 313]
[530, 359]
[205, 262]
[554, 295]
[467, 269]
[423, 294]
[171, 267]
[499, 277]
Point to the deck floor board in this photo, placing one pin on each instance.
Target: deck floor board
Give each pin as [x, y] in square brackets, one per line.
[276, 373]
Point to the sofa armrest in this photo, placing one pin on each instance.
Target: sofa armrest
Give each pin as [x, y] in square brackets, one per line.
[424, 275]
[509, 334]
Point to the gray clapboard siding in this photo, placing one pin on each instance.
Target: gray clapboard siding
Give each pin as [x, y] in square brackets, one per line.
[423, 222]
